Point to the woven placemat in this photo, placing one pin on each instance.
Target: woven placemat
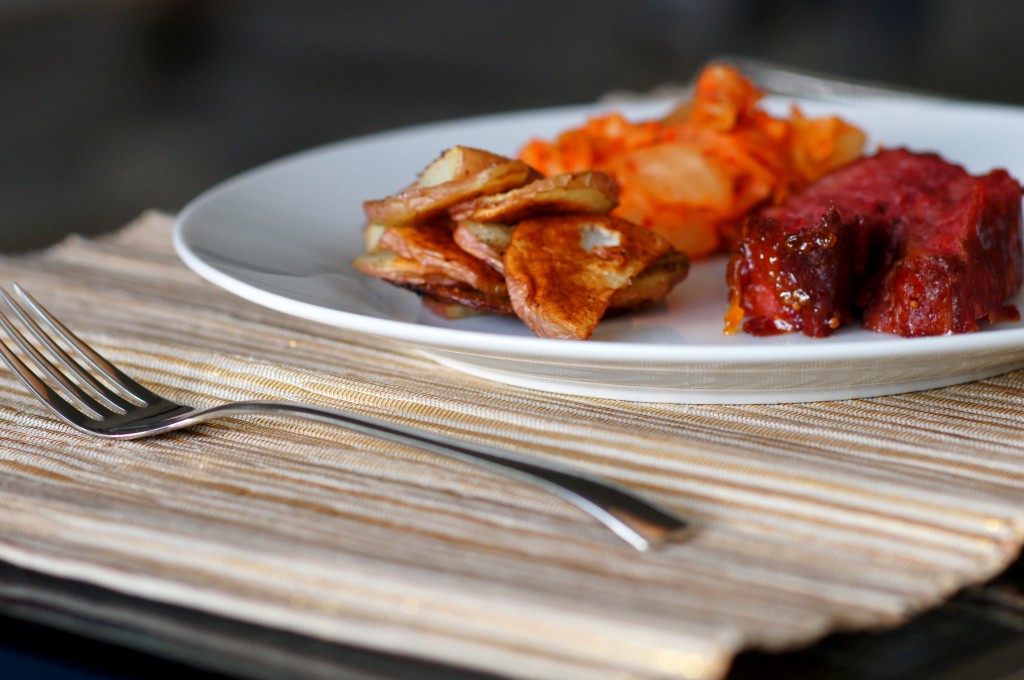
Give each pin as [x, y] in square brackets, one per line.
[811, 518]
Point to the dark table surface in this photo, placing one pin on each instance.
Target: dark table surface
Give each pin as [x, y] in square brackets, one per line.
[50, 628]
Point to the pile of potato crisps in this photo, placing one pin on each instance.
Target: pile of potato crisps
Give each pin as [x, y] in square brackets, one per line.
[478, 232]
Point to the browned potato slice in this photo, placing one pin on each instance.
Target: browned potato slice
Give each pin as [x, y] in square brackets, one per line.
[433, 246]
[562, 271]
[390, 266]
[489, 241]
[456, 163]
[372, 232]
[450, 299]
[447, 299]
[652, 284]
[578, 192]
[485, 241]
[421, 203]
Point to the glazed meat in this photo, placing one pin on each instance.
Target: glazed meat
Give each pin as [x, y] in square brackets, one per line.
[909, 243]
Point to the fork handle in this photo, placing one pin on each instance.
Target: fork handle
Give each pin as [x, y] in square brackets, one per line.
[637, 521]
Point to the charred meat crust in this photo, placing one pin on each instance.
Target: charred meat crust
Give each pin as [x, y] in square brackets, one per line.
[908, 242]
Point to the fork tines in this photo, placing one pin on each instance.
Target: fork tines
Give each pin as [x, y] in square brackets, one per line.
[46, 343]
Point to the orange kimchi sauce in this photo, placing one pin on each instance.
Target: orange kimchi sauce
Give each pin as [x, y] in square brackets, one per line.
[695, 174]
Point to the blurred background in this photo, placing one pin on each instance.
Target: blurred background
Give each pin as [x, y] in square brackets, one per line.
[111, 107]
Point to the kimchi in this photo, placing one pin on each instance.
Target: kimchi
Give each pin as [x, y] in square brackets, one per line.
[695, 174]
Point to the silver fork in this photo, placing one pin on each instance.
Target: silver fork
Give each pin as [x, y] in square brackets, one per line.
[98, 398]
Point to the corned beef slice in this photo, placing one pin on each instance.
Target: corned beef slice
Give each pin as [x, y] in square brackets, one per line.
[910, 243]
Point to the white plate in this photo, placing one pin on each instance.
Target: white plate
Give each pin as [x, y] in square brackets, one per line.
[283, 236]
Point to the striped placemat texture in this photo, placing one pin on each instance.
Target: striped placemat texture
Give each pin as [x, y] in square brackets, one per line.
[811, 518]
